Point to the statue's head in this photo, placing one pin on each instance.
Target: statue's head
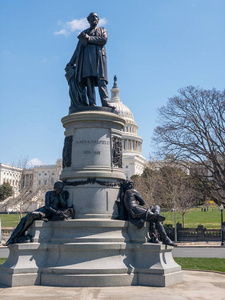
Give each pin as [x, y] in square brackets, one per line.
[93, 19]
[58, 186]
[128, 184]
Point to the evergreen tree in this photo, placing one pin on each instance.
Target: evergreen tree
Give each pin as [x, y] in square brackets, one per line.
[6, 191]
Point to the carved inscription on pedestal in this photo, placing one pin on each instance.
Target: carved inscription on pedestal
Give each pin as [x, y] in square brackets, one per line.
[117, 152]
[90, 144]
[91, 147]
[67, 151]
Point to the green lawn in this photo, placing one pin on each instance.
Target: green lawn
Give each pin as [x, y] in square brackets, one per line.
[209, 219]
[10, 220]
[206, 264]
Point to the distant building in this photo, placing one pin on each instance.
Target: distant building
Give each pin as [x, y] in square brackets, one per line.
[12, 175]
[188, 167]
[46, 175]
[133, 160]
[156, 164]
[43, 175]
[32, 183]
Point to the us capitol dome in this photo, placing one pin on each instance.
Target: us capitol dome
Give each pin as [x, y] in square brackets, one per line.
[133, 160]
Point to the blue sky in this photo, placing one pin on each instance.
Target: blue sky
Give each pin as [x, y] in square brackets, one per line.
[154, 48]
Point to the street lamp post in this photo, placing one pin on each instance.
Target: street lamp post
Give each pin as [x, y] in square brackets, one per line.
[175, 224]
[222, 225]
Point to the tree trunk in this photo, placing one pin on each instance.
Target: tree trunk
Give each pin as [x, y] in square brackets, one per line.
[183, 213]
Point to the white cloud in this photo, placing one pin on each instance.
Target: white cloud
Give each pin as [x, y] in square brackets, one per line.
[76, 26]
[62, 31]
[34, 162]
[102, 22]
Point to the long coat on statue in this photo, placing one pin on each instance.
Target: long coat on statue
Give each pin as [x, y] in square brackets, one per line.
[90, 58]
[130, 205]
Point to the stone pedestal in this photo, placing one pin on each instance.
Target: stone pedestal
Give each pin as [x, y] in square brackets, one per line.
[94, 249]
[89, 252]
[92, 161]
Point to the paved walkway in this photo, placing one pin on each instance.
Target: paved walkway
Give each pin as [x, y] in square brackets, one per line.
[196, 285]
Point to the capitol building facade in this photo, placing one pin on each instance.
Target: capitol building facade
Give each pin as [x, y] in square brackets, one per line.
[133, 160]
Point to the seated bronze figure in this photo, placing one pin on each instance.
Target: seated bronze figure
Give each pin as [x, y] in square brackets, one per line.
[131, 207]
[55, 209]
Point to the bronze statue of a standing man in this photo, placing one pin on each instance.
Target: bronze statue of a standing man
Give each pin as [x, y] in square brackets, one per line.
[90, 60]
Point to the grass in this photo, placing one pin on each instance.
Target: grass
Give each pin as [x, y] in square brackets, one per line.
[210, 219]
[10, 220]
[2, 260]
[205, 264]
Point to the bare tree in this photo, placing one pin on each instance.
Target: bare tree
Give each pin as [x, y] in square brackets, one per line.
[180, 192]
[192, 129]
[167, 185]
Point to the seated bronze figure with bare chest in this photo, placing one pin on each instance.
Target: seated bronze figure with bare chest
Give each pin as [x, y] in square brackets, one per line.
[55, 209]
[131, 207]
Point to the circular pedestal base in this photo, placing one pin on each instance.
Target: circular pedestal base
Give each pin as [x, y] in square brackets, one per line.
[93, 153]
